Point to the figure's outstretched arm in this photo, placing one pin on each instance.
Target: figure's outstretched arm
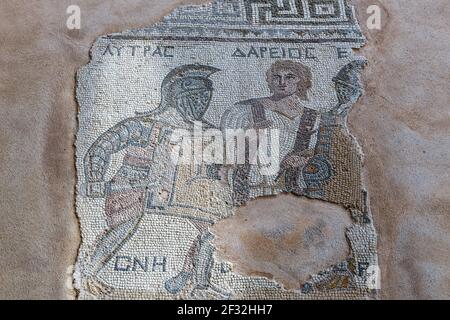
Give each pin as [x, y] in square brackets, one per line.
[127, 133]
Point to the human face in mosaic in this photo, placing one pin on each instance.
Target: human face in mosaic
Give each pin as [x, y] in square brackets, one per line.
[283, 83]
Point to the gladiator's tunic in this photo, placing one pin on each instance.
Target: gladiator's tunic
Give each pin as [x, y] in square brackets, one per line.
[149, 180]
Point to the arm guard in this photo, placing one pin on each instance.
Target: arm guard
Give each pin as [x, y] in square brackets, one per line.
[130, 132]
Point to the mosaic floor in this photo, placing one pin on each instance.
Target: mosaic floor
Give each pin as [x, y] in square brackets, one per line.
[218, 107]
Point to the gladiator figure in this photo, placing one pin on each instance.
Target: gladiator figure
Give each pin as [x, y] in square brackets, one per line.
[335, 159]
[149, 182]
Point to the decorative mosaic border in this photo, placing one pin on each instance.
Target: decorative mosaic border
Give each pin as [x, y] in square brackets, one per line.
[314, 21]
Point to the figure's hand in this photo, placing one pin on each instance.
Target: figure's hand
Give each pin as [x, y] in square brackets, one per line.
[294, 161]
[96, 189]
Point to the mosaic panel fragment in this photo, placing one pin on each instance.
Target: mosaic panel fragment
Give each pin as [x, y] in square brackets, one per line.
[211, 110]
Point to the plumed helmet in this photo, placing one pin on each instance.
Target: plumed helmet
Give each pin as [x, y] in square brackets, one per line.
[347, 83]
[184, 79]
[181, 80]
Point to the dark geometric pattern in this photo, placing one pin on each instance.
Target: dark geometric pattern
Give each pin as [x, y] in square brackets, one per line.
[293, 11]
[325, 9]
[246, 20]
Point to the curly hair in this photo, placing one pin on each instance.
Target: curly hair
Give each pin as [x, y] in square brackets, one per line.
[302, 71]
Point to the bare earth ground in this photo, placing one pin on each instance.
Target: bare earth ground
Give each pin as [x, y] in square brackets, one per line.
[402, 123]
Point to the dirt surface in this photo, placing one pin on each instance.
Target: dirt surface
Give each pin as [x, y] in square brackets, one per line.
[285, 238]
[402, 123]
